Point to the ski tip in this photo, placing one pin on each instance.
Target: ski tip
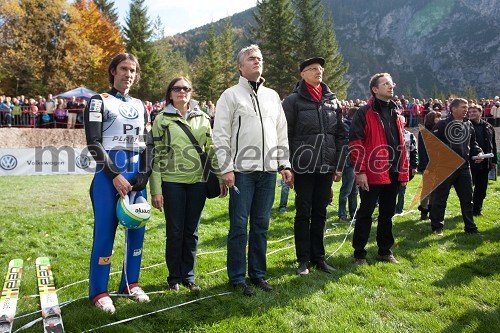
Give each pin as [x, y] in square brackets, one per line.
[16, 263]
[42, 261]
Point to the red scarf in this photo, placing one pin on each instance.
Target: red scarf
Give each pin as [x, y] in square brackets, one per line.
[316, 93]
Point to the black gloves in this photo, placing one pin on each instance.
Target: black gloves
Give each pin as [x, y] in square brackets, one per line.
[139, 181]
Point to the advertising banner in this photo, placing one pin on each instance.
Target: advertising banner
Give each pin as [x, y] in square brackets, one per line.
[45, 161]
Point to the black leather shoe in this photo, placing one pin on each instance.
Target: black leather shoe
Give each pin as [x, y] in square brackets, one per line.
[191, 286]
[303, 269]
[323, 266]
[246, 289]
[262, 284]
[173, 286]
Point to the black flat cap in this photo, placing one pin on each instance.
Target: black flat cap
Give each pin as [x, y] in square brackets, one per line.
[310, 61]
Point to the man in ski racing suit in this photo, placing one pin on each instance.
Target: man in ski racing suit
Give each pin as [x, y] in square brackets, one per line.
[119, 138]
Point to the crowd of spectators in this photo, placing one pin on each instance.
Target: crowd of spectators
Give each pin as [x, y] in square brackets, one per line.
[50, 112]
[53, 112]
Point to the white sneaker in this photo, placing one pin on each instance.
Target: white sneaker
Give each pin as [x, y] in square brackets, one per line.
[139, 295]
[105, 304]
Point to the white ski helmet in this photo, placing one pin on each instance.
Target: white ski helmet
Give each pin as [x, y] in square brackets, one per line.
[133, 212]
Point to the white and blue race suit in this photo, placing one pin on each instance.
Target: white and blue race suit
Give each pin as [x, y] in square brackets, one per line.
[119, 138]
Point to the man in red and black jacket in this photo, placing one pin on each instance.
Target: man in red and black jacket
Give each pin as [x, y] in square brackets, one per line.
[378, 153]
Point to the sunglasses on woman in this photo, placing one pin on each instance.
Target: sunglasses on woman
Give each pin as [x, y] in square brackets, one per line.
[178, 89]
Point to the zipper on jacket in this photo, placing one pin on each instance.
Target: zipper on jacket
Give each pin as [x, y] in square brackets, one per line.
[262, 127]
[237, 139]
[323, 131]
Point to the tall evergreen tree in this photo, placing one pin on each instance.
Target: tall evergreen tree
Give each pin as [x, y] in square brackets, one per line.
[227, 55]
[138, 36]
[275, 35]
[316, 37]
[207, 70]
[335, 68]
[107, 8]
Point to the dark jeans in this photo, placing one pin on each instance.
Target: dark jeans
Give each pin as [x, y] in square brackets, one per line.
[461, 180]
[480, 182]
[311, 200]
[386, 197]
[255, 200]
[400, 199]
[348, 193]
[183, 204]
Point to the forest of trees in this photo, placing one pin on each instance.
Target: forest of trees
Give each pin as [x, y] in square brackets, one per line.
[53, 46]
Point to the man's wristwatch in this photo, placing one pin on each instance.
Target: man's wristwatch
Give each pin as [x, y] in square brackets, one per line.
[282, 167]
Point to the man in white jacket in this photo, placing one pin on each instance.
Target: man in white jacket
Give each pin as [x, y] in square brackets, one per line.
[251, 143]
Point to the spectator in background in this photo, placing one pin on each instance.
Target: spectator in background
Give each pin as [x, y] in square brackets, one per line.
[495, 114]
[82, 103]
[33, 113]
[47, 108]
[5, 112]
[430, 121]
[485, 138]
[72, 107]
[458, 133]
[348, 193]
[411, 153]
[61, 114]
[17, 114]
[417, 110]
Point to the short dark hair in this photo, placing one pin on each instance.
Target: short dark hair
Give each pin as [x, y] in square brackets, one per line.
[374, 80]
[351, 111]
[168, 100]
[119, 58]
[456, 102]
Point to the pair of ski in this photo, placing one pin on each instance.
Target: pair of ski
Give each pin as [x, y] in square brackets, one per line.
[51, 313]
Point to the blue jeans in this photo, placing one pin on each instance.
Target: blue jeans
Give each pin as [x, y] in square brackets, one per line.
[255, 200]
[348, 193]
[183, 204]
[284, 194]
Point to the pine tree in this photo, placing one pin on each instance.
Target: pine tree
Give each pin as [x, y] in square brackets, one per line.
[207, 69]
[107, 8]
[138, 36]
[335, 68]
[227, 55]
[275, 35]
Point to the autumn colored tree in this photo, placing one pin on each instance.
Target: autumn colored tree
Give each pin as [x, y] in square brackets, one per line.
[53, 46]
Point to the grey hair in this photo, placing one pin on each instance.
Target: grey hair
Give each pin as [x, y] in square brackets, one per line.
[246, 50]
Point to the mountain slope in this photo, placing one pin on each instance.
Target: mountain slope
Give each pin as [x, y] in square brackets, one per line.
[427, 45]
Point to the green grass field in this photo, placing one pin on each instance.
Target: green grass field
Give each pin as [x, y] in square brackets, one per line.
[443, 284]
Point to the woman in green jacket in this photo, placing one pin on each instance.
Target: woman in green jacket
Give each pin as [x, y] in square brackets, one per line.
[176, 183]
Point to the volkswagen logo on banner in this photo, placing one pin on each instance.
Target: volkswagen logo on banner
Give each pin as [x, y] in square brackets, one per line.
[82, 161]
[128, 111]
[8, 162]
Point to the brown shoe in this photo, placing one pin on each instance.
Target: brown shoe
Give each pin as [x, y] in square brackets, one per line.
[387, 258]
[360, 262]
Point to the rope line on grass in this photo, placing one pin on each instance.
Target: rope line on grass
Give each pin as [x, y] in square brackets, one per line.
[155, 312]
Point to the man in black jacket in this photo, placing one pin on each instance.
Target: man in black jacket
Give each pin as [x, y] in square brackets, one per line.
[485, 137]
[457, 133]
[316, 139]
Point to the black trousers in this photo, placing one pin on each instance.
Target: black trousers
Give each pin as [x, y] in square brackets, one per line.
[311, 200]
[461, 180]
[480, 182]
[386, 197]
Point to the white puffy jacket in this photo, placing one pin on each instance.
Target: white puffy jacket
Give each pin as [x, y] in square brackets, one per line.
[250, 131]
